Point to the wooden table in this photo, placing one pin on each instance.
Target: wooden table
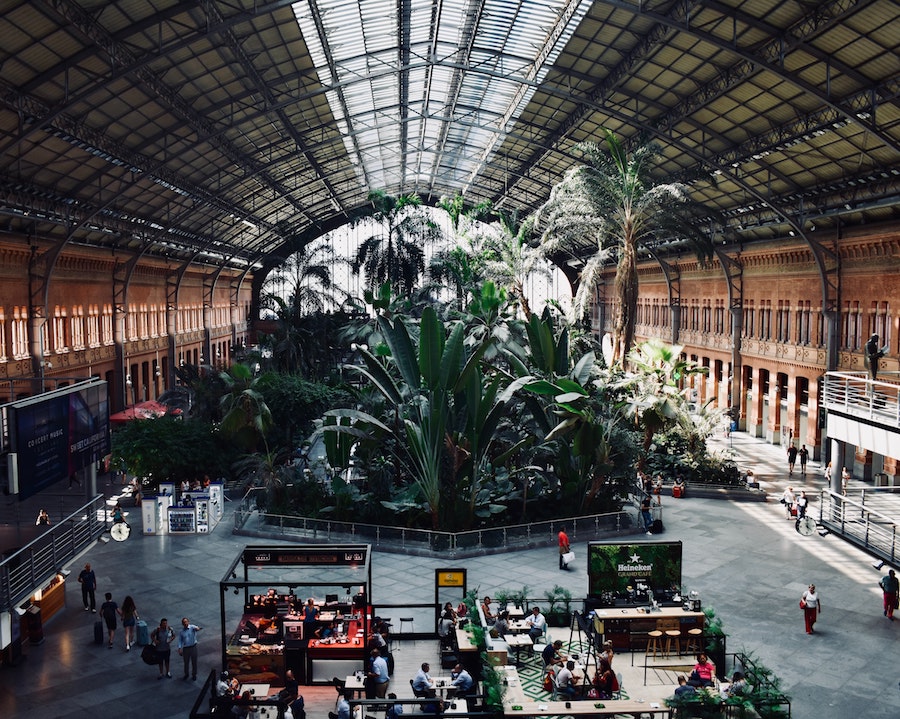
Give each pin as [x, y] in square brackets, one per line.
[464, 641]
[604, 707]
[627, 627]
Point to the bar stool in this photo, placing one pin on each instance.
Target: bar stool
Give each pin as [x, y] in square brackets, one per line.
[673, 635]
[694, 641]
[406, 620]
[655, 642]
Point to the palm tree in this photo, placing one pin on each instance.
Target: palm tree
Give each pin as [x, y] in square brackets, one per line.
[615, 201]
[654, 399]
[307, 276]
[246, 417]
[510, 261]
[395, 253]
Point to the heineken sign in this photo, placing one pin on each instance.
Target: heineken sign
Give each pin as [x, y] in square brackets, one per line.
[614, 567]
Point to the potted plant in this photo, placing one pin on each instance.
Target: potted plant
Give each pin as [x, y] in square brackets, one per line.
[715, 640]
[559, 601]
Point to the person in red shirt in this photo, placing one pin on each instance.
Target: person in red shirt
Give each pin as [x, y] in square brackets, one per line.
[563, 547]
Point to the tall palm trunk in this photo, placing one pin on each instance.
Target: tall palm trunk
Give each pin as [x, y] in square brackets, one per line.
[626, 287]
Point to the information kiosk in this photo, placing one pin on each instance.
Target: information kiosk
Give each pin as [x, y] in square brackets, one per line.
[266, 628]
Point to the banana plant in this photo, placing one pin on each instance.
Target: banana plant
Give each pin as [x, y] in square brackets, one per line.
[429, 388]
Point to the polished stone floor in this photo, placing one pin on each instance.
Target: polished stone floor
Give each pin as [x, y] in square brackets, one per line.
[744, 558]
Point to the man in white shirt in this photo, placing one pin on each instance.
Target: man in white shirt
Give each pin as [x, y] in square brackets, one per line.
[536, 623]
[565, 680]
[462, 681]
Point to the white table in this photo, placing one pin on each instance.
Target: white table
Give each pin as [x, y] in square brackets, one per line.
[518, 642]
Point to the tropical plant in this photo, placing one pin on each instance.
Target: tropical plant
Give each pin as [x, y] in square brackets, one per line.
[615, 202]
[305, 278]
[245, 415]
[509, 260]
[395, 252]
[654, 399]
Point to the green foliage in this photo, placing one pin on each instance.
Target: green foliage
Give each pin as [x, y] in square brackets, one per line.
[170, 449]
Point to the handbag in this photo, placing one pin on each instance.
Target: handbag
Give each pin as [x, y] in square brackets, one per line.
[568, 557]
[802, 604]
[148, 654]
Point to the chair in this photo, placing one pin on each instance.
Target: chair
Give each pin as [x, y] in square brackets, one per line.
[655, 643]
[404, 621]
[417, 693]
[694, 643]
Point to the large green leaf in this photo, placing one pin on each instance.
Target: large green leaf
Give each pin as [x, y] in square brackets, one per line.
[583, 368]
[378, 375]
[561, 364]
[451, 361]
[402, 351]
[431, 348]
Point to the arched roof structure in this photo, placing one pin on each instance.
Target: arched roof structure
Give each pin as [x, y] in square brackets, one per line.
[208, 131]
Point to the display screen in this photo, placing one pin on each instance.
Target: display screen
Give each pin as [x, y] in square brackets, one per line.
[57, 436]
[614, 567]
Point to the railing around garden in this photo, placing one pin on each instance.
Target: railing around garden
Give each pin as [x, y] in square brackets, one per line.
[248, 519]
[854, 519]
[35, 564]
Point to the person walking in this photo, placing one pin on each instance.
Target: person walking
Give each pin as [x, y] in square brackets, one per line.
[890, 586]
[109, 610]
[88, 581]
[646, 515]
[802, 504]
[788, 500]
[845, 478]
[792, 457]
[129, 620]
[187, 647]
[162, 638]
[812, 607]
[563, 546]
[803, 455]
[827, 472]
[42, 519]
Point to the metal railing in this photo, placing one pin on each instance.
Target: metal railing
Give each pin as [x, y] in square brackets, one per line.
[31, 567]
[249, 519]
[850, 517]
[855, 394]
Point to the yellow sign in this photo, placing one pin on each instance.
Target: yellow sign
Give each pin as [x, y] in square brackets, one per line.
[451, 579]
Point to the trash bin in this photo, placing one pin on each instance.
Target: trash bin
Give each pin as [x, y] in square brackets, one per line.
[881, 479]
[35, 625]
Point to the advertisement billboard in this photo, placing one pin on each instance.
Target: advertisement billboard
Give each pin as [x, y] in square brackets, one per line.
[615, 569]
[54, 436]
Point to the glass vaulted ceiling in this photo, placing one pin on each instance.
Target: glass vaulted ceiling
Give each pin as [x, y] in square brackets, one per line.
[422, 95]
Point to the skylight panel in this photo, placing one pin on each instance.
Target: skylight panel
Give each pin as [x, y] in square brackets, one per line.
[483, 68]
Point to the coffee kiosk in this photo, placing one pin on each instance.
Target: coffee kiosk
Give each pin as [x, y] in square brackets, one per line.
[264, 628]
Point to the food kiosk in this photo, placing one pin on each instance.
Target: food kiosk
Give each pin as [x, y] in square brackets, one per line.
[264, 630]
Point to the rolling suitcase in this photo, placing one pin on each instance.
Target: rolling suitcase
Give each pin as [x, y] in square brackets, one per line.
[141, 632]
[98, 632]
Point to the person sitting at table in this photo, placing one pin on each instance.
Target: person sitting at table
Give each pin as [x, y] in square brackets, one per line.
[501, 626]
[565, 680]
[684, 689]
[607, 652]
[737, 687]
[551, 654]
[536, 623]
[446, 624]
[461, 683]
[291, 685]
[605, 680]
[704, 674]
[343, 706]
[489, 615]
[422, 684]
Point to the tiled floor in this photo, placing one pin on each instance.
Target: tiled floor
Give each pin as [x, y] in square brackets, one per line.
[744, 559]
